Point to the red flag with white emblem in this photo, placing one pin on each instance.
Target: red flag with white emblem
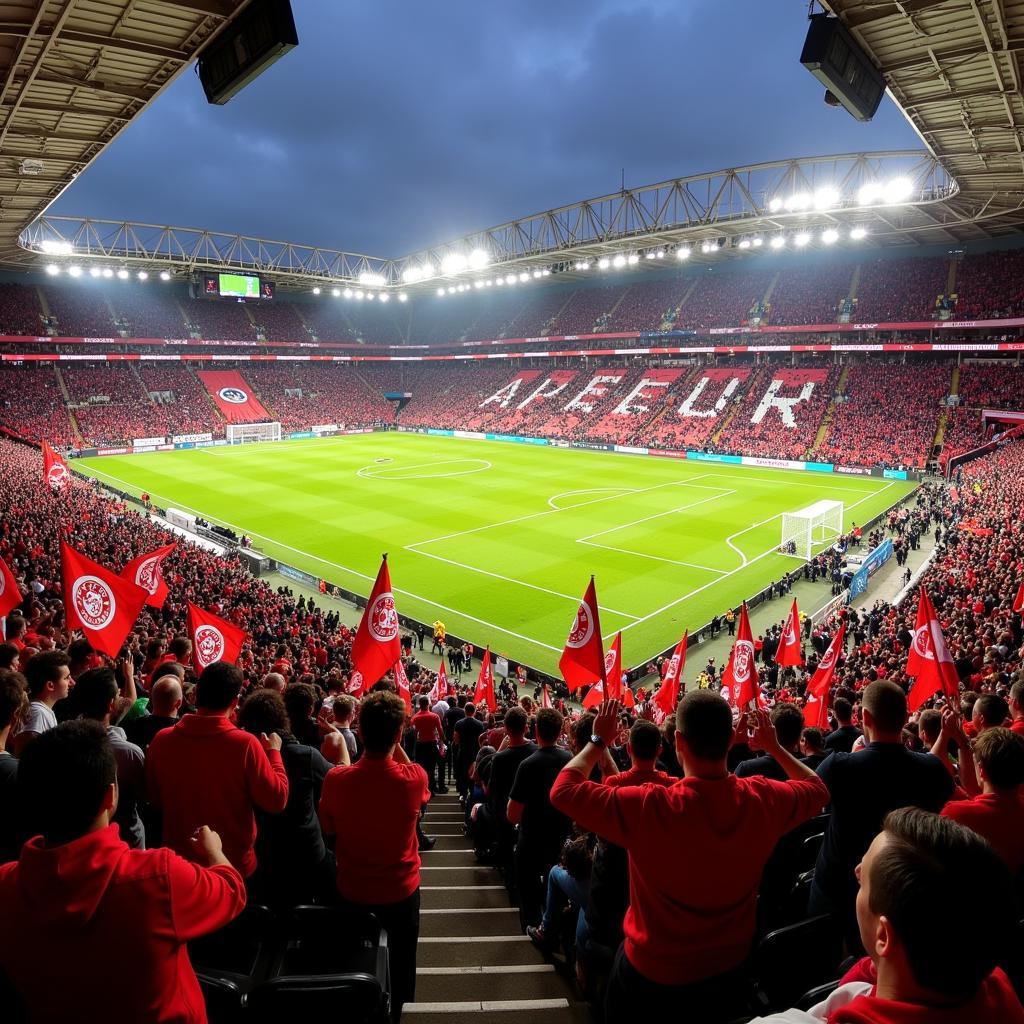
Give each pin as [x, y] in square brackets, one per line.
[740, 676]
[377, 647]
[789, 651]
[613, 668]
[55, 469]
[816, 707]
[213, 638]
[10, 595]
[402, 682]
[933, 665]
[98, 602]
[484, 692]
[666, 700]
[582, 660]
[145, 572]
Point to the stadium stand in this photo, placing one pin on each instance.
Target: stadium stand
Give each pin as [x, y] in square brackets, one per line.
[723, 298]
[990, 285]
[80, 310]
[220, 319]
[148, 312]
[20, 312]
[900, 290]
[811, 294]
[31, 405]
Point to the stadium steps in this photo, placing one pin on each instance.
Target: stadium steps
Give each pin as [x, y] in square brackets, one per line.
[854, 283]
[473, 962]
[767, 297]
[678, 309]
[826, 420]
[66, 395]
[940, 427]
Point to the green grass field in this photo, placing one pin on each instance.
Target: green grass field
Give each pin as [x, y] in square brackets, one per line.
[499, 540]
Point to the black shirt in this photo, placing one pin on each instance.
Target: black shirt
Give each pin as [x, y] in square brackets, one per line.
[865, 786]
[542, 830]
[141, 731]
[503, 774]
[469, 731]
[451, 716]
[842, 739]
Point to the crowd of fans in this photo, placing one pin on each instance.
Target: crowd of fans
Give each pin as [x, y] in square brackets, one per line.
[990, 285]
[900, 290]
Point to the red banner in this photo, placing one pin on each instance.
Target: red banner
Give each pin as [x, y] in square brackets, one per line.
[233, 396]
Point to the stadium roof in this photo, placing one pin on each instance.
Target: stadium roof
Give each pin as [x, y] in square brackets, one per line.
[75, 72]
[954, 68]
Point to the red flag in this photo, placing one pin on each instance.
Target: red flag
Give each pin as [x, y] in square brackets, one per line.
[740, 675]
[613, 668]
[213, 639]
[582, 659]
[919, 650]
[484, 692]
[1018, 601]
[440, 690]
[934, 666]
[789, 651]
[98, 602]
[816, 708]
[628, 700]
[545, 697]
[10, 595]
[402, 682]
[145, 572]
[55, 469]
[595, 695]
[376, 647]
[666, 700]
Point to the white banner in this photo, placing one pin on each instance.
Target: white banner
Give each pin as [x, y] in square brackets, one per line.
[324, 428]
[501, 667]
[181, 438]
[749, 460]
[147, 442]
[473, 435]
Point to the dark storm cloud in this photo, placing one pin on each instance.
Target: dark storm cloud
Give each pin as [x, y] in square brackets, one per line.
[397, 124]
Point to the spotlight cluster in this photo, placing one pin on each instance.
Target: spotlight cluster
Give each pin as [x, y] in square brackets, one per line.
[875, 193]
[122, 273]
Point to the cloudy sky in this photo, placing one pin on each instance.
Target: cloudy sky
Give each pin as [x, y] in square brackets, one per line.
[397, 124]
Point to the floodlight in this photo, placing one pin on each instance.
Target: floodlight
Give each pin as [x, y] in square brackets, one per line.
[801, 239]
[411, 275]
[441, 292]
[453, 263]
[488, 283]
[829, 235]
[384, 297]
[536, 275]
[478, 259]
[402, 297]
[451, 290]
[757, 242]
[660, 254]
[798, 201]
[682, 254]
[649, 255]
[316, 291]
[582, 265]
[632, 259]
[94, 271]
[107, 272]
[478, 284]
[142, 275]
[54, 248]
[371, 295]
[165, 276]
[545, 272]
[778, 242]
[869, 193]
[604, 263]
[52, 269]
[524, 277]
[619, 261]
[123, 274]
[898, 190]
[744, 243]
[372, 280]
[75, 271]
[775, 205]
[336, 292]
[857, 233]
[499, 280]
[825, 198]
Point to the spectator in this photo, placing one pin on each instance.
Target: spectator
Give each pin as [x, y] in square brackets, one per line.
[788, 721]
[812, 747]
[13, 704]
[49, 680]
[165, 699]
[429, 740]
[503, 774]
[78, 894]
[300, 704]
[843, 737]
[1016, 705]
[466, 735]
[377, 854]
[204, 746]
[916, 973]
[696, 853]
[864, 787]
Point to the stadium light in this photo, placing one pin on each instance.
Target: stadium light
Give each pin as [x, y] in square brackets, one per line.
[107, 272]
[478, 259]
[649, 255]
[683, 253]
[411, 275]
[142, 275]
[453, 263]
[775, 205]
[858, 233]
[52, 269]
[441, 292]
[778, 242]
[75, 271]
[825, 198]
[582, 265]
[545, 272]
[798, 201]
[478, 284]
[510, 279]
[372, 280]
[537, 275]
[371, 295]
[165, 276]
[316, 291]
[94, 271]
[757, 241]
[829, 236]
[402, 297]
[336, 292]
[55, 248]
[869, 193]
[632, 259]
[660, 254]
[123, 274]
[384, 297]
[451, 290]
[524, 277]
[619, 261]
[744, 243]
[499, 281]
[357, 294]
[801, 239]
[603, 263]
[488, 283]
[707, 247]
[899, 190]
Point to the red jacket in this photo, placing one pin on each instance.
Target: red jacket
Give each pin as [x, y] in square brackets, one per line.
[92, 930]
[696, 853]
[207, 771]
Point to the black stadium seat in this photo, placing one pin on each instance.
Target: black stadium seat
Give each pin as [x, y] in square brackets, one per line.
[789, 961]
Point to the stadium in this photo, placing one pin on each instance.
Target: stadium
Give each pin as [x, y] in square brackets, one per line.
[711, 482]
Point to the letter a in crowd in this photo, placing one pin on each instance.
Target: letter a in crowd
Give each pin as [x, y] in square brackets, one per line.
[484, 692]
[402, 682]
[740, 675]
[666, 700]
[10, 595]
[816, 708]
[377, 647]
[1018, 601]
[55, 470]
[213, 638]
[98, 602]
[582, 660]
[145, 571]
[929, 659]
[789, 651]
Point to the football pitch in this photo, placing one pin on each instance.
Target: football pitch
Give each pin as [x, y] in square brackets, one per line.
[499, 540]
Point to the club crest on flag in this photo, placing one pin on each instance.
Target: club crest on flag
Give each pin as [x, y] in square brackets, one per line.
[57, 474]
[210, 644]
[382, 620]
[742, 660]
[583, 628]
[922, 643]
[146, 574]
[94, 601]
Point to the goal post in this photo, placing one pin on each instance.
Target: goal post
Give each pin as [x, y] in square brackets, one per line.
[248, 433]
[811, 528]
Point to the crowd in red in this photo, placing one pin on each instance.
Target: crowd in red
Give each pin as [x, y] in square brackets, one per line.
[894, 291]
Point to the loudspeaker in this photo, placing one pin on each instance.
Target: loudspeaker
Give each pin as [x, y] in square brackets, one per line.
[832, 55]
[262, 33]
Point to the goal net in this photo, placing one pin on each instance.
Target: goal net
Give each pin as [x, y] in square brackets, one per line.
[244, 433]
[811, 528]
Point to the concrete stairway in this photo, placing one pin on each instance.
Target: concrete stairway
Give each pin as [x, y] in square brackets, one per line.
[474, 964]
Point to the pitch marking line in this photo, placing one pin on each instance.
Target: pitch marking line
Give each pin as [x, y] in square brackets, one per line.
[384, 471]
[588, 490]
[657, 515]
[335, 565]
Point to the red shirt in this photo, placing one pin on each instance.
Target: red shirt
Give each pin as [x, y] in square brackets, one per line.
[428, 727]
[83, 901]
[207, 771]
[997, 817]
[697, 849]
[372, 807]
[1017, 726]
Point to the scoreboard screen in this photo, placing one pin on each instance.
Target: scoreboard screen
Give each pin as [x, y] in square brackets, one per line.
[240, 287]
